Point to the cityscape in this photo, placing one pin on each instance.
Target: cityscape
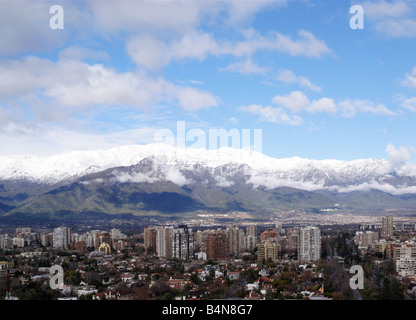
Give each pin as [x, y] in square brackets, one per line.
[182, 262]
[207, 158]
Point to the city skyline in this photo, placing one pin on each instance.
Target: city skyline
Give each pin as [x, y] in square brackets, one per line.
[288, 262]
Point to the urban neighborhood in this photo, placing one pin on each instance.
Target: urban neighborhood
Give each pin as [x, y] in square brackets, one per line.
[181, 262]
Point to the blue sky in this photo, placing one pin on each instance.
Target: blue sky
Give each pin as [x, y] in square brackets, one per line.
[121, 70]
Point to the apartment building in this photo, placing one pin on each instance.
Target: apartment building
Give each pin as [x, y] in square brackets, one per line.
[309, 245]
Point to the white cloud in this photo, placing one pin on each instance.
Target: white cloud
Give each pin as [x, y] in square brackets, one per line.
[135, 177]
[384, 9]
[270, 181]
[79, 53]
[23, 138]
[326, 105]
[397, 157]
[190, 99]
[159, 172]
[73, 84]
[349, 108]
[274, 115]
[154, 53]
[288, 76]
[410, 79]
[298, 102]
[409, 103]
[136, 16]
[375, 185]
[295, 101]
[174, 175]
[24, 26]
[246, 67]
[242, 11]
[398, 160]
[175, 17]
[405, 28]
[392, 19]
[307, 45]
[223, 182]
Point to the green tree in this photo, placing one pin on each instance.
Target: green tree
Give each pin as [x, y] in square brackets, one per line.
[72, 277]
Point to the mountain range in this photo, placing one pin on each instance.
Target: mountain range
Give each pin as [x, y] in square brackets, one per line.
[157, 180]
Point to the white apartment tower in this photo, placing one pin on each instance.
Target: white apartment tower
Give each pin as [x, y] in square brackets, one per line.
[61, 237]
[164, 242]
[309, 244]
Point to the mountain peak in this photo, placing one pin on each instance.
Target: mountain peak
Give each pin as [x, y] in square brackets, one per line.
[261, 170]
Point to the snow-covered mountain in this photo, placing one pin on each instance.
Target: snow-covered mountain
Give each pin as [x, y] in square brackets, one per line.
[157, 179]
[224, 164]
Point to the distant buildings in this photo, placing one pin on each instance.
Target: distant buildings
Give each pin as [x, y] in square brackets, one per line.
[250, 243]
[269, 234]
[267, 250]
[291, 240]
[182, 243]
[252, 231]
[217, 245]
[309, 245]
[61, 237]
[235, 240]
[104, 247]
[164, 242]
[387, 227]
[21, 238]
[366, 239]
[149, 236]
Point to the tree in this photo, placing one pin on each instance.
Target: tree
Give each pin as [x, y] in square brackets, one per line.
[194, 278]
[397, 290]
[72, 277]
[385, 292]
[161, 291]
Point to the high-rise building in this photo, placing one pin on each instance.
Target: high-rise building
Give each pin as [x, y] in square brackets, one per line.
[269, 234]
[309, 244]
[217, 245]
[46, 239]
[149, 235]
[387, 226]
[404, 255]
[235, 239]
[164, 242]
[81, 247]
[384, 248]
[182, 243]
[278, 227]
[102, 237]
[267, 250]
[250, 242]
[252, 231]
[116, 234]
[6, 242]
[200, 240]
[366, 239]
[400, 226]
[61, 237]
[291, 240]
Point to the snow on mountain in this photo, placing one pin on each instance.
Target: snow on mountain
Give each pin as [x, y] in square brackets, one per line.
[259, 169]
